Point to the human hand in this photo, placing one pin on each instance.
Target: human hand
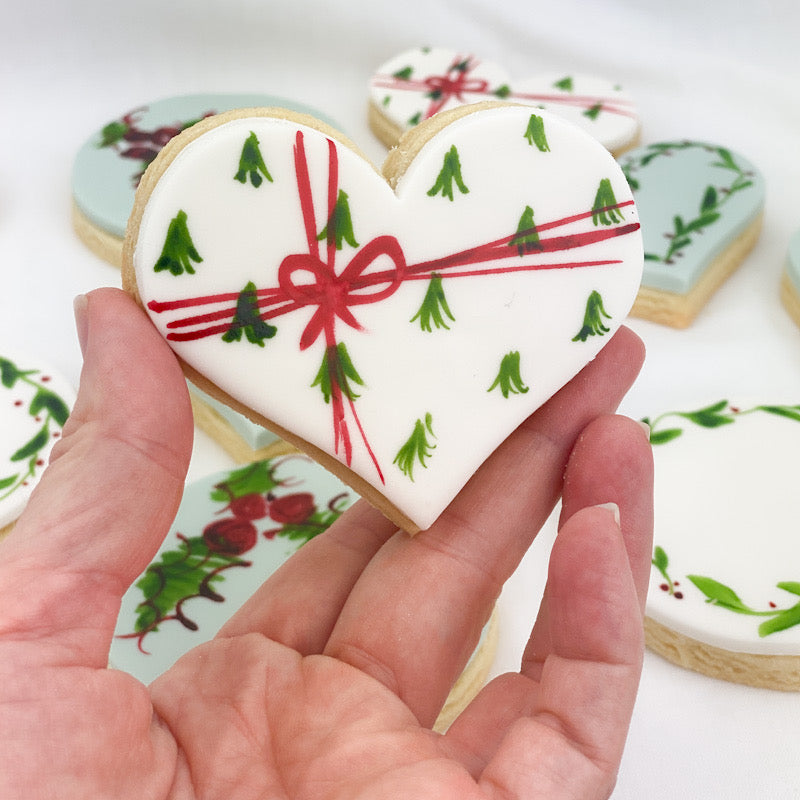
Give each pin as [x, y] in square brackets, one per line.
[327, 681]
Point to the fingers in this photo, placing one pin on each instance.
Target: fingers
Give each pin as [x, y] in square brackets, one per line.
[591, 613]
[110, 493]
[581, 696]
[414, 617]
[299, 604]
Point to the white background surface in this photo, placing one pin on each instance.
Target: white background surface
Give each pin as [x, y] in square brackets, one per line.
[719, 71]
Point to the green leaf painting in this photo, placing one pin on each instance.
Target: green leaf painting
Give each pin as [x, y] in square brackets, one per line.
[535, 134]
[449, 176]
[509, 379]
[247, 320]
[179, 251]
[593, 319]
[251, 163]
[434, 308]
[417, 448]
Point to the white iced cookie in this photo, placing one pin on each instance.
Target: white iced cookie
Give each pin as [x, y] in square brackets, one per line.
[416, 84]
[396, 327]
[724, 594]
[35, 401]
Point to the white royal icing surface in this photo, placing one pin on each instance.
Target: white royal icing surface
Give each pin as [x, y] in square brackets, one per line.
[410, 377]
[417, 83]
[33, 401]
[726, 506]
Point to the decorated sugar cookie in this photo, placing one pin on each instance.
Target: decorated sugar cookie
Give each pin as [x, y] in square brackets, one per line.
[724, 594]
[35, 401]
[700, 205]
[790, 281]
[243, 439]
[232, 531]
[416, 84]
[397, 331]
[110, 164]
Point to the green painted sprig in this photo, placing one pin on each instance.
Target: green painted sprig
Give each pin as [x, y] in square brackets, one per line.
[417, 449]
[509, 379]
[179, 250]
[434, 307]
[449, 175]
[247, 320]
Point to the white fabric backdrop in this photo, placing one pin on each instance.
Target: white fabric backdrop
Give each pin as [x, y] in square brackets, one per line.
[719, 71]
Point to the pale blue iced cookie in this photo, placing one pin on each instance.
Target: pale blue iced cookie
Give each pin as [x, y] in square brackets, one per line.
[110, 164]
[790, 282]
[700, 207]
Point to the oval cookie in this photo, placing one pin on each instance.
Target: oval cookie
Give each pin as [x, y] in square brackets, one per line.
[232, 531]
[398, 328]
[35, 401]
[700, 206]
[724, 594]
[109, 165]
[413, 86]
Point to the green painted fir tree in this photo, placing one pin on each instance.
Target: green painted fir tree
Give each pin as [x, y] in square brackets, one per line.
[593, 319]
[604, 210]
[417, 448]
[526, 240]
[434, 307]
[179, 250]
[509, 380]
[535, 134]
[565, 84]
[594, 112]
[247, 320]
[340, 225]
[450, 174]
[251, 163]
[337, 370]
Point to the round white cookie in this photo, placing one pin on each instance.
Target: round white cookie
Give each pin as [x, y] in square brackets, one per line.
[724, 593]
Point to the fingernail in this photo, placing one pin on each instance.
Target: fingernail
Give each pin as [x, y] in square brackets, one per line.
[645, 427]
[613, 508]
[80, 306]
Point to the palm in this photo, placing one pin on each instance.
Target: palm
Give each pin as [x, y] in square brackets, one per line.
[326, 683]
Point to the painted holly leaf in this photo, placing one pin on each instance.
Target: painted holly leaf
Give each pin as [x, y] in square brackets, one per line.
[660, 559]
[10, 481]
[449, 174]
[434, 307]
[719, 594]
[709, 199]
[255, 478]
[179, 250]
[10, 373]
[45, 400]
[247, 320]
[787, 618]
[32, 446]
[667, 435]
[417, 448]
[709, 417]
[790, 412]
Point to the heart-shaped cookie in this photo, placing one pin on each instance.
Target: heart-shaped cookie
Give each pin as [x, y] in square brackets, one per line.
[701, 207]
[398, 331]
[418, 83]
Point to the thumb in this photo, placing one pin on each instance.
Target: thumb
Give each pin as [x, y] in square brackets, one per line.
[106, 500]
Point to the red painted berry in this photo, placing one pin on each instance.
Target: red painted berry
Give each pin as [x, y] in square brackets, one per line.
[231, 536]
[292, 509]
[664, 587]
[249, 506]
